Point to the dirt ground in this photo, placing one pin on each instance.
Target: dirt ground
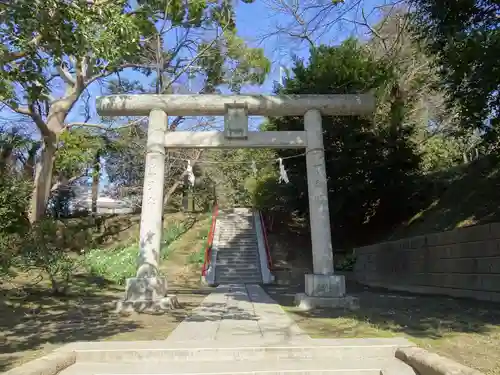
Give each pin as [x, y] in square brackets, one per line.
[466, 331]
[33, 322]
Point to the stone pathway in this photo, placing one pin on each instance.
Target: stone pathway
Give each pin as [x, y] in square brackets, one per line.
[238, 329]
[238, 313]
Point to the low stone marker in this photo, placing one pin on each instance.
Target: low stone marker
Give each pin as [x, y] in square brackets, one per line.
[427, 363]
[50, 364]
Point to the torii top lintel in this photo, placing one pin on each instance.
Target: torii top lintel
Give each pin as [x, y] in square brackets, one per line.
[215, 105]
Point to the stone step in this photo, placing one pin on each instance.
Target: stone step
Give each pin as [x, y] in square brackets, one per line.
[247, 256]
[236, 246]
[238, 350]
[228, 224]
[230, 230]
[236, 221]
[227, 242]
[242, 258]
[234, 255]
[243, 222]
[235, 263]
[238, 237]
[297, 367]
[238, 251]
[253, 281]
[239, 232]
[247, 280]
[237, 242]
[248, 251]
[243, 268]
[249, 267]
[247, 277]
[227, 253]
[236, 272]
[223, 265]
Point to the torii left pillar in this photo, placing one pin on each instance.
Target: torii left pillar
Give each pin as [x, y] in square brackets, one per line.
[148, 290]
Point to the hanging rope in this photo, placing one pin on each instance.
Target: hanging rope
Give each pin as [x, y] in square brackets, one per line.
[282, 171]
[254, 168]
[189, 173]
[283, 175]
[249, 162]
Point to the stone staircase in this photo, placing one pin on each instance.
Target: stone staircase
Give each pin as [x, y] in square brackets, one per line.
[237, 252]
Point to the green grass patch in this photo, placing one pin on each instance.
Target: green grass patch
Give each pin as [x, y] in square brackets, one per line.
[118, 264]
[115, 265]
[198, 257]
[171, 234]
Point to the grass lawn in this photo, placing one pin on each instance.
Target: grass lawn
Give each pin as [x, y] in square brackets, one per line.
[466, 331]
[33, 322]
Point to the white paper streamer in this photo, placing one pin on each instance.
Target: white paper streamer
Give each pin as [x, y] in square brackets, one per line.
[283, 175]
[189, 173]
[254, 168]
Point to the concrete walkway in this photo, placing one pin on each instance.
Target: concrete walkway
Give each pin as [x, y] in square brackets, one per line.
[238, 313]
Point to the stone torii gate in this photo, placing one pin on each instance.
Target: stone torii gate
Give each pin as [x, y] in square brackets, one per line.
[323, 287]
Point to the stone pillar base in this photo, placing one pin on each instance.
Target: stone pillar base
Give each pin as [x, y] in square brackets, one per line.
[325, 291]
[147, 294]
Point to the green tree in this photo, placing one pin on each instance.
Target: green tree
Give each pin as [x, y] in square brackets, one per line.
[50, 60]
[465, 38]
[370, 161]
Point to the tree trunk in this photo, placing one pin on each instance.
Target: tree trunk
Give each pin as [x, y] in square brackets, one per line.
[171, 191]
[43, 181]
[29, 166]
[96, 175]
[50, 130]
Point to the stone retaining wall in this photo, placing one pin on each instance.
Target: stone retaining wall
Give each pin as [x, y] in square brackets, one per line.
[460, 263]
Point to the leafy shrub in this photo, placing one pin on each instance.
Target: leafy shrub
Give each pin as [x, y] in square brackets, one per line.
[43, 249]
[10, 245]
[14, 201]
[347, 264]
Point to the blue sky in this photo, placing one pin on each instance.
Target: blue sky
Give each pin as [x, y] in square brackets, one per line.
[253, 21]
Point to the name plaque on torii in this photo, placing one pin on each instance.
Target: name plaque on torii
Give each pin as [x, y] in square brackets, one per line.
[236, 121]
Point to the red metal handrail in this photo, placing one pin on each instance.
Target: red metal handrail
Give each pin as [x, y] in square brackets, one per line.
[210, 240]
[266, 243]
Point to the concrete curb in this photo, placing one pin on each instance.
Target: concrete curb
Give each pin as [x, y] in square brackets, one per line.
[50, 364]
[427, 363]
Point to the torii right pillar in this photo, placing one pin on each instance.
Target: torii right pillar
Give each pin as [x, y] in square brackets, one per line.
[322, 288]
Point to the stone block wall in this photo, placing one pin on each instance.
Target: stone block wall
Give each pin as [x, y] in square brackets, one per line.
[463, 262]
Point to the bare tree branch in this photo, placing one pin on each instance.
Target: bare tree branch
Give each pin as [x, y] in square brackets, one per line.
[37, 119]
[65, 75]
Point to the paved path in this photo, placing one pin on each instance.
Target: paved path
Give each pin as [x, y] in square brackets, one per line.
[238, 313]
